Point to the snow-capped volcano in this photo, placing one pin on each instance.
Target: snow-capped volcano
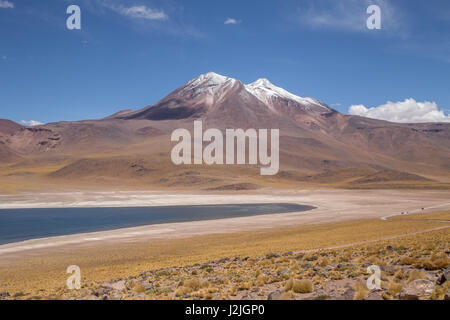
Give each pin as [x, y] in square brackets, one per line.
[135, 145]
[212, 83]
[217, 96]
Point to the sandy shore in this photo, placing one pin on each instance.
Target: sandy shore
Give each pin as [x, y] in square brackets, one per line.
[332, 206]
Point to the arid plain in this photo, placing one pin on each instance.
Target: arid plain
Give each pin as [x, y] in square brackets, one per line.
[342, 218]
[380, 192]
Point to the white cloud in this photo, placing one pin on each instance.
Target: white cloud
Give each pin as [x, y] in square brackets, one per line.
[232, 21]
[161, 17]
[408, 111]
[143, 12]
[346, 15]
[5, 4]
[31, 123]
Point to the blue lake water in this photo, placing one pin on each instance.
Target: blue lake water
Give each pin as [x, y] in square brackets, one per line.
[26, 224]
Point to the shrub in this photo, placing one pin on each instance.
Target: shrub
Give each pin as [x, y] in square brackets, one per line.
[441, 263]
[130, 284]
[407, 261]
[386, 296]
[324, 262]
[194, 284]
[299, 286]
[438, 293]
[302, 286]
[394, 288]
[260, 281]
[207, 268]
[311, 258]
[400, 274]
[182, 291]
[245, 285]
[295, 267]
[205, 284]
[415, 275]
[289, 285]
[289, 295]
[208, 296]
[361, 291]
[163, 274]
[425, 264]
[233, 291]
[139, 288]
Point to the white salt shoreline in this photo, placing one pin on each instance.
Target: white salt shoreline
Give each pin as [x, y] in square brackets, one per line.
[332, 206]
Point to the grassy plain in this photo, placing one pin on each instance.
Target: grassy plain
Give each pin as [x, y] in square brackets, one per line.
[43, 274]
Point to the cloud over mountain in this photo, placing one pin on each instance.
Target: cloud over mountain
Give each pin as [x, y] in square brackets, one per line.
[31, 123]
[408, 111]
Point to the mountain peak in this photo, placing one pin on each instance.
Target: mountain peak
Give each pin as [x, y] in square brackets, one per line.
[208, 83]
[265, 91]
[263, 85]
[214, 75]
[262, 82]
[211, 92]
[211, 77]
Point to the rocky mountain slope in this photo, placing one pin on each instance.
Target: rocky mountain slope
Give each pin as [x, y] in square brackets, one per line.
[315, 141]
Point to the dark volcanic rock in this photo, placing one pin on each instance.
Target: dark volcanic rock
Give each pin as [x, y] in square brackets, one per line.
[276, 295]
[444, 277]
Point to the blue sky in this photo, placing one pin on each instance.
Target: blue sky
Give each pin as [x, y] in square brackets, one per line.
[130, 54]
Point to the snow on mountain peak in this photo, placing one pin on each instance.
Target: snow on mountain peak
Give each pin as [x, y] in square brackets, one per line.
[213, 77]
[213, 87]
[264, 90]
[210, 86]
[262, 82]
[210, 78]
[208, 81]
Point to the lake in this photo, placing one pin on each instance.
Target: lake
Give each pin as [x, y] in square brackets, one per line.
[25, 224]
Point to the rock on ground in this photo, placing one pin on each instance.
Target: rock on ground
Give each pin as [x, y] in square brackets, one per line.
[417, 289]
